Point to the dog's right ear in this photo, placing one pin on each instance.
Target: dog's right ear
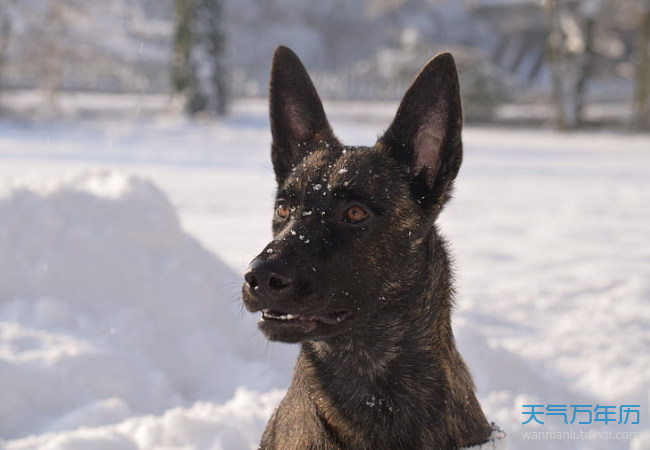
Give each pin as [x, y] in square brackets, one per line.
[297, 116]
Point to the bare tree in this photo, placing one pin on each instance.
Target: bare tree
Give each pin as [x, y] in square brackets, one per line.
[183, 74]
[570, 47]
[642, 76]
[5, 37]
[211, 49]
[49, 45]
[198, 67]
[53, 54]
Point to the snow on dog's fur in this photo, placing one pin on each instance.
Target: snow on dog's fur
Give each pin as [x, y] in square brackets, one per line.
[358, 273]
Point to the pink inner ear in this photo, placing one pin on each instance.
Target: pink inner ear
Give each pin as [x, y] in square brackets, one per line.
[427, 148]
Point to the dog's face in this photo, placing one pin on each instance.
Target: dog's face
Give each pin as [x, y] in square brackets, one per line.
[349, 222]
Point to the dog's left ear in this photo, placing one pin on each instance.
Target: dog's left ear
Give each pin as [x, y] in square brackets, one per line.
[297, 116]
[425, 136]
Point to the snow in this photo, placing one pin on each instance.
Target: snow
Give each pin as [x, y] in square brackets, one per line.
[109, 309]
[122, 245]
[204, 425]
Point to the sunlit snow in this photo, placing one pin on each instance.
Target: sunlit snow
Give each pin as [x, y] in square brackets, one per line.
[122, 246]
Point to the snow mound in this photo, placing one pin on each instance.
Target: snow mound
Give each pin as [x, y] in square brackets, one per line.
[203, 426]
[108, 310]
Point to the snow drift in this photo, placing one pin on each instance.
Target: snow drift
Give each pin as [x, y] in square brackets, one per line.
[119, 331]
[108, 310]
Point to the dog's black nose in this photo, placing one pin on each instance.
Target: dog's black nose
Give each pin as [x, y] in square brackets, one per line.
[268, 278]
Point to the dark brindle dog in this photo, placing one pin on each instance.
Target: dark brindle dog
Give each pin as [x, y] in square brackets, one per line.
[359, 275]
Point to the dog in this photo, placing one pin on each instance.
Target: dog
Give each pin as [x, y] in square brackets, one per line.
[359, 275]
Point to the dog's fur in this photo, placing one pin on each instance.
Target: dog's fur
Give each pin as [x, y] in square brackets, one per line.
[362, 276]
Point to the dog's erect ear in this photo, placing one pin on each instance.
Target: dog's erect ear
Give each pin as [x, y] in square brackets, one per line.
[425, 136]
[297, 116]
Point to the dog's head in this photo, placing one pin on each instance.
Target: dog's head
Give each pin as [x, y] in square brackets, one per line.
[349, 222]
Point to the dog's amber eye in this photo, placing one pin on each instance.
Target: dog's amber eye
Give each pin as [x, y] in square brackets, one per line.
[356, 214]
[282, 210]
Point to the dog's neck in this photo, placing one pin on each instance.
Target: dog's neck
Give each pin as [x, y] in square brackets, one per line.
[367, 379]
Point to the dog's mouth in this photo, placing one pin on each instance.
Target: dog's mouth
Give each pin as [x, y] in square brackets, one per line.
[273, 319]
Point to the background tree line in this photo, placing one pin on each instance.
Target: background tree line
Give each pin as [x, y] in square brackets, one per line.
[566, 53]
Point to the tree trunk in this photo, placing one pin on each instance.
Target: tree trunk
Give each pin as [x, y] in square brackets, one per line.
[184, 78]
[584, 66]
[570, 54]
[642, 77]
[199, 71]
[5, 35]
[54, 57]
[556, 59]
[213, 43]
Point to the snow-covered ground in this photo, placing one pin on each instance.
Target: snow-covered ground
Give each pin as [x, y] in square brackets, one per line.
[122, 245]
